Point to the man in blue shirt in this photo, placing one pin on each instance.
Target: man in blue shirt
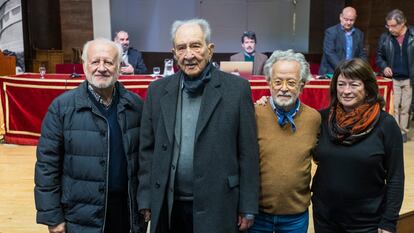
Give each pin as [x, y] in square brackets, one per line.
[342, 42]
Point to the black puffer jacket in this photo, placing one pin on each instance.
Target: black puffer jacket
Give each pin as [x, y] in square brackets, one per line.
[72, 160]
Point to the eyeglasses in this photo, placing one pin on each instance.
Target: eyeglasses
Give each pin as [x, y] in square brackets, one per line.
[290, 83]
[392, 26]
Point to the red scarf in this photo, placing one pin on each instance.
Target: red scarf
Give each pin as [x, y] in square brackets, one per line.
[348, 127]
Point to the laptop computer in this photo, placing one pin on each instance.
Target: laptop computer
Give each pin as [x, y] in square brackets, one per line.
[241, 67]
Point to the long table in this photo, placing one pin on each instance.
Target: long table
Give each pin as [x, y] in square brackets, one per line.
[25, 98]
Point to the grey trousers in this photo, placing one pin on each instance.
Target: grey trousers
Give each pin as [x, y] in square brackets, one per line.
[402, 100]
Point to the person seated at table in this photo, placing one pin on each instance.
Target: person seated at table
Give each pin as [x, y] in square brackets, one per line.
[248, 43]
[132, 62]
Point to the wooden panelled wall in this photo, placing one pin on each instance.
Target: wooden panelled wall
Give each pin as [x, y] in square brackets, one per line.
[323, 14]
[76, 25]
[56, 25]
[41, 27]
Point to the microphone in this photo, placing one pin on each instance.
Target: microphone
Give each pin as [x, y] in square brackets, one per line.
[74, 74]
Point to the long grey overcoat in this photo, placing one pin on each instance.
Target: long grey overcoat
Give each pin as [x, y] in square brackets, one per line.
[226, 162]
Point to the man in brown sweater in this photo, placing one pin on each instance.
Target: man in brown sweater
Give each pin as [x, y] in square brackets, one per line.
[287, 132]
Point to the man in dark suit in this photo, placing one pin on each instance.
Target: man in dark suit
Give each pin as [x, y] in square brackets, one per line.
[248, 43]
[132, 62]
[199, 169]
[342, 42]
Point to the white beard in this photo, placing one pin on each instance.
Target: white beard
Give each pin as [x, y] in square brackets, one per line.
[100, 85]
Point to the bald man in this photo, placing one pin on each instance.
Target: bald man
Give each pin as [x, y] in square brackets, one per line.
[342, 42]
[132, 62]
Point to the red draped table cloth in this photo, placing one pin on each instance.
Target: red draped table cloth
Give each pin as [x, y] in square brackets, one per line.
[25, 98]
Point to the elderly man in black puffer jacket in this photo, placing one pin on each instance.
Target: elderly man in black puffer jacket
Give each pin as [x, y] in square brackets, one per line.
[87, 156]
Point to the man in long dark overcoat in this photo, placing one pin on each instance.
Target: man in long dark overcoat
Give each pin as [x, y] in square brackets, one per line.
[199, 169]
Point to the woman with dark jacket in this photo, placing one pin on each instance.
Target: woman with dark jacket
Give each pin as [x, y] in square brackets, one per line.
[359, 181]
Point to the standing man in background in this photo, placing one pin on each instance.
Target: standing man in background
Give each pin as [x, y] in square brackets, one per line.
[248, 43]
[342, 42]
[395, 58]
[132, 62]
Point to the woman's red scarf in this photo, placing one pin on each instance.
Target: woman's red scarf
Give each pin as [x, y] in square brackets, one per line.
[349, 127]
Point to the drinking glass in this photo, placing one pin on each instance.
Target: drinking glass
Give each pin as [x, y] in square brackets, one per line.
[168, 67]
[156, 71]
[42, 71]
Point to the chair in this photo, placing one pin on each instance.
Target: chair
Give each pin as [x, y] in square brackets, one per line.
[76, 55]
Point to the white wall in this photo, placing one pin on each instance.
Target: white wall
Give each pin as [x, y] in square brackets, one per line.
[101, 17]
[11, 27]
[148, 22]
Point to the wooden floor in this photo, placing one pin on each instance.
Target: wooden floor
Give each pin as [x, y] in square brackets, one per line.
[17, 211]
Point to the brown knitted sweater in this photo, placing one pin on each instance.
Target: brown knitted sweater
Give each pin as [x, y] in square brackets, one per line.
[285, 159]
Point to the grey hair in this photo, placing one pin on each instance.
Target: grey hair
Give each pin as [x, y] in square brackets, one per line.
[397, 15]
[116, 46]
[288, 55]
[204, 25]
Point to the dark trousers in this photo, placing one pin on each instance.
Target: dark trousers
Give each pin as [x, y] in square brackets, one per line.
[182, 217]
[117, 214]
[327, 220]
